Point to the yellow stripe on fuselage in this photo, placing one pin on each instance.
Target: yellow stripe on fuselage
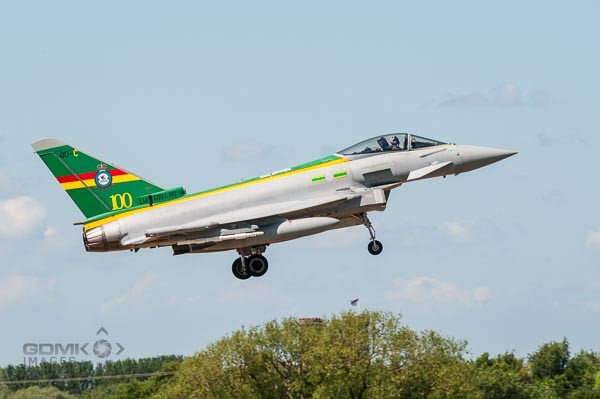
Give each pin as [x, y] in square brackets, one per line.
[100, 222]
[91, 183]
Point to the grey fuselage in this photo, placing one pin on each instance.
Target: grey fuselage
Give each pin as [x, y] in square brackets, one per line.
[284, 205]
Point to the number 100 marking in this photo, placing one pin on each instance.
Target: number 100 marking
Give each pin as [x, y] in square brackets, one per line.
[120, 201]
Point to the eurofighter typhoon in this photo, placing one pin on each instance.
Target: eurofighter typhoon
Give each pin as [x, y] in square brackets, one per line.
[126, 212]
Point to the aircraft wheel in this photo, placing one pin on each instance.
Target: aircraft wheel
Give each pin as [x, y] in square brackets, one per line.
[375, 247]
[243, 273]
[257, 265]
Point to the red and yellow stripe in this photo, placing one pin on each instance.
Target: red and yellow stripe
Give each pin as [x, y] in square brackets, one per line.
[82, 180]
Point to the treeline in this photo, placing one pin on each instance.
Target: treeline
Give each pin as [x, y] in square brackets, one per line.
[355, 355]
[373, 355]
[81, 369]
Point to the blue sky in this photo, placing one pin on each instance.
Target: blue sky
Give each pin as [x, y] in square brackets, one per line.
[202, 94]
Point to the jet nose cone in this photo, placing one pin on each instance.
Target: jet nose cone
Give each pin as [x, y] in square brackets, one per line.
[477, 157]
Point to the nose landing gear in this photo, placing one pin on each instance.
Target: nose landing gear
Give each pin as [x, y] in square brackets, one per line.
[375, 247]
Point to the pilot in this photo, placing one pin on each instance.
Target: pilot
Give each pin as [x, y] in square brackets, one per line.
[395, 142]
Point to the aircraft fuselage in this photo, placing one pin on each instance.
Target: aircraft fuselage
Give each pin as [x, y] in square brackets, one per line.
[126, 212]
[371, 178]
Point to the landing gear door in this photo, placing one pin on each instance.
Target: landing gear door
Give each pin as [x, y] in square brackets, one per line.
[373, 197]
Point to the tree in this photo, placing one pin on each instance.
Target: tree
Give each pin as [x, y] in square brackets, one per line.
[137, 389]
[501, 377]
[569, 377]
[365, 355]
[550, 360]
[580, 376]
[35, 392]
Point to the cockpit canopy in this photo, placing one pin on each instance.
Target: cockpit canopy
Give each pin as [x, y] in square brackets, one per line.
[390, 142]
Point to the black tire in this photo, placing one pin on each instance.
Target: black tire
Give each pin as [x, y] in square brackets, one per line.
[375, 247]
[257, 265]
[236, 268]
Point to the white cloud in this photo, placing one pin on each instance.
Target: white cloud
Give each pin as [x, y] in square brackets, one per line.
[20, 217]
[592, 240]
[244, 151]
[456, 230]
[50, 232]
[138, 289]
[17, 289]
[506, 95]
[426, 289]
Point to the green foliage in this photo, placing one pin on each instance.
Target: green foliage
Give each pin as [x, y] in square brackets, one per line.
[101, 391]
[372, 355]
[353, 355]
[366, 355]
[501, 377]
[86, 388]
[47, 370]
[553, 369]
[40, 393]
[550, 360]
[136, 388]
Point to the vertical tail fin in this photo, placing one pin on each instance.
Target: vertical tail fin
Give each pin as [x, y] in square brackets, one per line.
[95, 186]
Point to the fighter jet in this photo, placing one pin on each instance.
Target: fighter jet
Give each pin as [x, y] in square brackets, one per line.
[126, 212]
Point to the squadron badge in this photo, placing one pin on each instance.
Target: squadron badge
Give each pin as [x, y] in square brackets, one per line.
[103, 178]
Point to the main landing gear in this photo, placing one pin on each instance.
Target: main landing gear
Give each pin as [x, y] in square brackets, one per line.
[375, 247]
[246, 266]
[251, 262]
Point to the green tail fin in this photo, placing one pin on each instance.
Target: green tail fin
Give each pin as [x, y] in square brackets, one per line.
[95, 186]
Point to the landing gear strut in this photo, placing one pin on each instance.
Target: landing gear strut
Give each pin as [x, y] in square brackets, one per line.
[375, 247]
[251, 263]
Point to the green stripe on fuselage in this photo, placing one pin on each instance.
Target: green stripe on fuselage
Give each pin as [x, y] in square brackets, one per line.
[315, 162]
